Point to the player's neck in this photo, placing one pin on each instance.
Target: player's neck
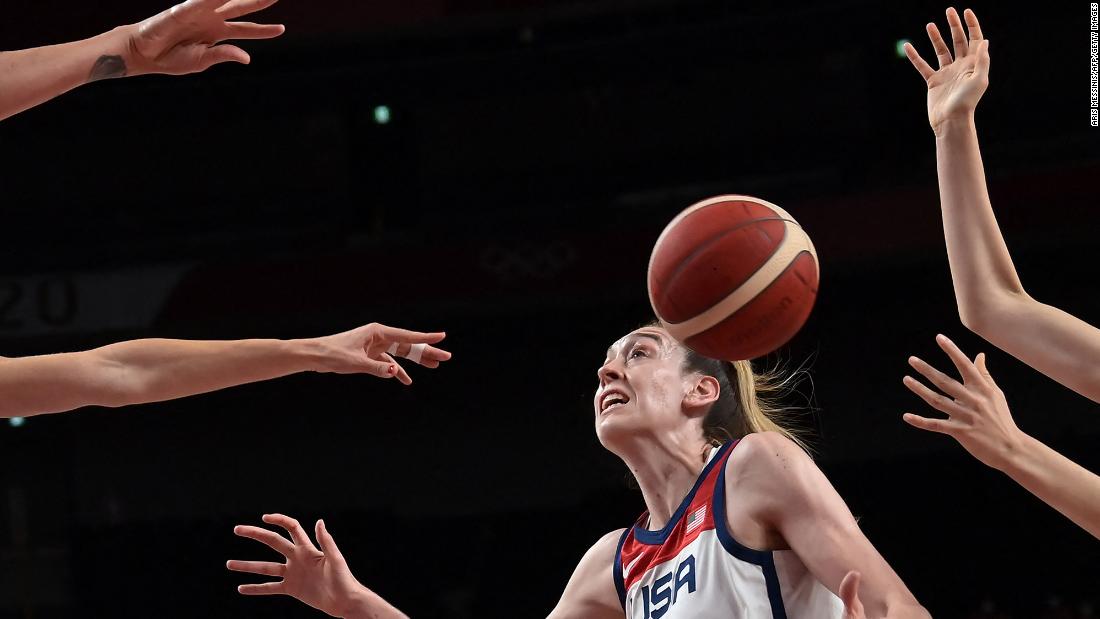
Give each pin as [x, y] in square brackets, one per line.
[666, 469]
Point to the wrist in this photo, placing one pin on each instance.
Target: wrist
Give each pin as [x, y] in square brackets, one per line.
[366, 604]
[1014, 453]
[308, 355]
[953, 126]
[113, 55]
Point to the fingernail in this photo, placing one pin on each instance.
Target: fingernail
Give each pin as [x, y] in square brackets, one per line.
[393, 369]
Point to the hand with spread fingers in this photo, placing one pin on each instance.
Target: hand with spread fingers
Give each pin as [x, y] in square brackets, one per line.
[187, 38]
[978, 417]
[371, 348]
[955, 88]
[977, 412]
[317, 577]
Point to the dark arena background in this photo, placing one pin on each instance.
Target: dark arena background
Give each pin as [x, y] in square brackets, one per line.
[500, 170]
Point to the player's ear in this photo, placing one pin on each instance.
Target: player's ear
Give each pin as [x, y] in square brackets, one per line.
[703, 391]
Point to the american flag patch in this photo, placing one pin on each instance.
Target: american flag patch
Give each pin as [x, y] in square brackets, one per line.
[695, 519]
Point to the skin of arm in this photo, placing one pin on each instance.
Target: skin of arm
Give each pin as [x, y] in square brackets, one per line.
[979, 418]
[991, 299]
[778, 485]
[590, 592]
[154, 370]
[183, 39]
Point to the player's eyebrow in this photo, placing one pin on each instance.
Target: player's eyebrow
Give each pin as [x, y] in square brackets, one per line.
[653, 336]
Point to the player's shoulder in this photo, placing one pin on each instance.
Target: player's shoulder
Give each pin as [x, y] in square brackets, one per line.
[767, 446]
[766, 452]
[608, 543]
[602, 553]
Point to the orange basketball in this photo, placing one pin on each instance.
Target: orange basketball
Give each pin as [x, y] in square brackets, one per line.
[733, 277]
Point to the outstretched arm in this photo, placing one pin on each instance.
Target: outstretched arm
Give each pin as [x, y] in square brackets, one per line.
[992, 301]
[183, 39]
[319, 578]
[154, 370]
[775, 479]
[979, 418]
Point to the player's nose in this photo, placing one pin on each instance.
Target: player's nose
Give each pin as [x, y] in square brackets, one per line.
[609, 372]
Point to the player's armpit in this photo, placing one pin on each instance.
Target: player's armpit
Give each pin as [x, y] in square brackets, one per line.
[590, 593]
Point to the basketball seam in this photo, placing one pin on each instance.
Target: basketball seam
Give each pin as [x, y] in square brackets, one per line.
[715, 238]
[762, 291]
[689, 328]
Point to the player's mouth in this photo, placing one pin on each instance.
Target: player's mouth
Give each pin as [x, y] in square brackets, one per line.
[611, 400]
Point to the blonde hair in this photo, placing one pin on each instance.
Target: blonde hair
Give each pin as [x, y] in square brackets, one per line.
[748, 401]
[760, 395]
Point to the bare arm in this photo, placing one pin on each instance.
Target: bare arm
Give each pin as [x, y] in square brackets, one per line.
[180, 40]
[155, 370]
[991, 299]
[784, 489]
[590, 593]
[979, 418]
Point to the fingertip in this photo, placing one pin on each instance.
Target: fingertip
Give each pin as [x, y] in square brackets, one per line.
[240, 588]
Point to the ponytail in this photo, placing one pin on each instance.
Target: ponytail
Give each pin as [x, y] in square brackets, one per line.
[747, 401]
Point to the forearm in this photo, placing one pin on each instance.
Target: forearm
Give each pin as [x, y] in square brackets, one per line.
[153, 370]
[905, 610]
[143, 371]
[29, 77]
[367, 604]
[981, 266]
[1058, 481]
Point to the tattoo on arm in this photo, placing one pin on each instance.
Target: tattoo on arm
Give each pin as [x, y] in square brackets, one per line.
[107, 67]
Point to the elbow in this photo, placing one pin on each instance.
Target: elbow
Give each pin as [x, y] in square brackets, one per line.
[121, 384]
[987, 314]
[975, 318]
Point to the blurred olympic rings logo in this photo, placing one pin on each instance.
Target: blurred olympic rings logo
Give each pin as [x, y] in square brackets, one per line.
[545, 261]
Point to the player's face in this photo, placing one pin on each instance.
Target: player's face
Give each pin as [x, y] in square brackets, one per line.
[641, 386]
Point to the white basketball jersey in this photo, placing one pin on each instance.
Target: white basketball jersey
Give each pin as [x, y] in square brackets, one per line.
[693, 568]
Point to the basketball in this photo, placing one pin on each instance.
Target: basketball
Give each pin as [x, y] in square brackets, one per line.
[733, 277]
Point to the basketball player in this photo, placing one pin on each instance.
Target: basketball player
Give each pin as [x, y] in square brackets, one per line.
[154, 370]
[740, 522]
[183, 39]
[992, 301]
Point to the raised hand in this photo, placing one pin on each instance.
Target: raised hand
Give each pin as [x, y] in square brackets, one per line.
[977, 412]
[370, 349]
[185, 38]
[954, 89]
[319, 578]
